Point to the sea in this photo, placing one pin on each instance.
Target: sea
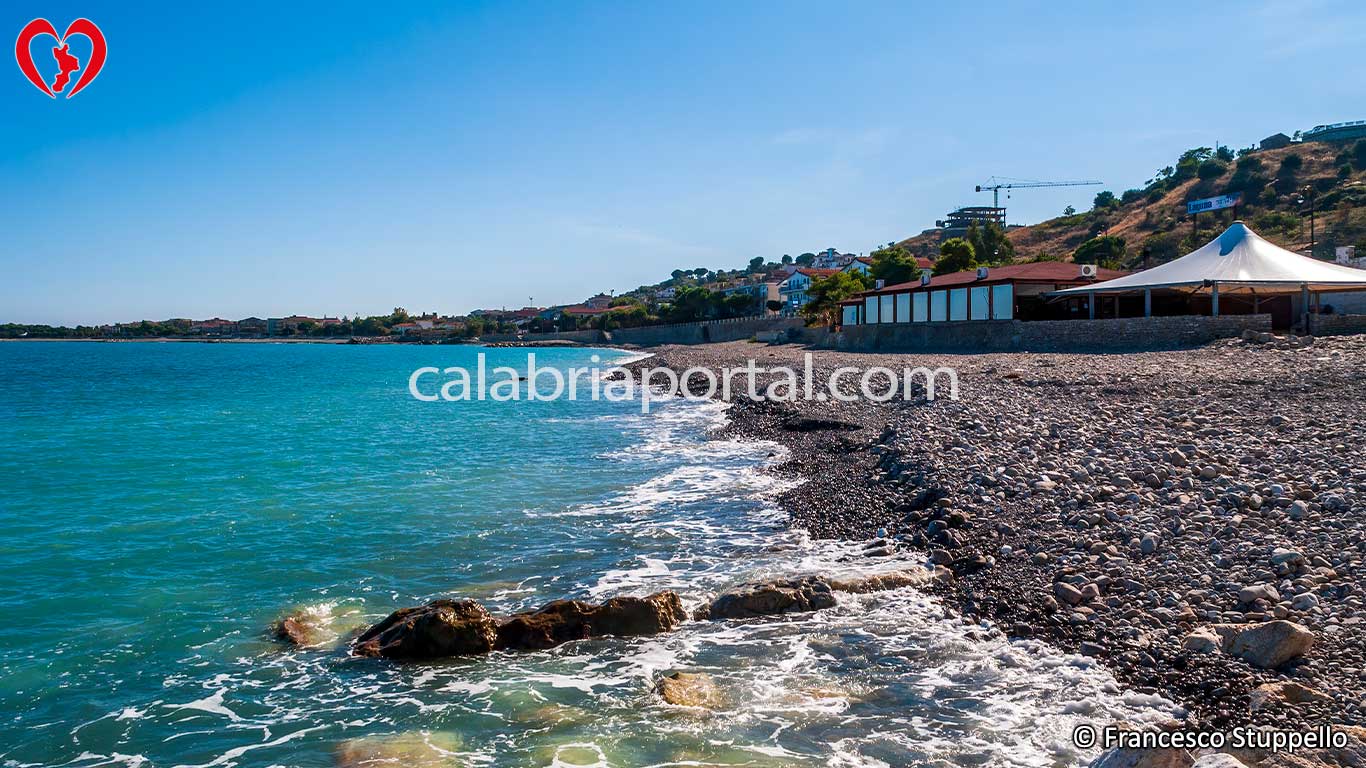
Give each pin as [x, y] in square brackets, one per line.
[161, 504]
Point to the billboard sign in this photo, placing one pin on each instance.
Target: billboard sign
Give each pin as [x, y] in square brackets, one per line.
[1213, 203]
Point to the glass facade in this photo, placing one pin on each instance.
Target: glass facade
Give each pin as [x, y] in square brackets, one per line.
[903, 307]
[939, 306]
[920, 307]
[979, 302]
[886, 311]
[870, 309]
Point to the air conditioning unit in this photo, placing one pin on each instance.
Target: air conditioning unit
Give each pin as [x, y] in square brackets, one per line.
[1088, 270]
[925, 277]
[981, 273]
[877, 284]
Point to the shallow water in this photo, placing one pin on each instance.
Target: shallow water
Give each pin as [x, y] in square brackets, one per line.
[163, 503]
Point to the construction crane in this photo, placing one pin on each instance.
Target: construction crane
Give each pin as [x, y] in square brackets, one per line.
[997, 183]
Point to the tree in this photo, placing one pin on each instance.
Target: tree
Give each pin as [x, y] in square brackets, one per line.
[1069, 211]
[773, 305]
[787, 259]
[756, 264]
[826, 293]
[700, 272]
[955, 255]
[1211, 169]
[894, 265]
[678, 274]
[805, 259]
[1225, 154]
[1106, 250]
[990, 243]
[1105, 200]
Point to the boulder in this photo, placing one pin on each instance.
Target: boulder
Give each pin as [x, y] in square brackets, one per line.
[689, 689]
[1251, 594]
[1268, 644]
[767, 599]
[299, 629]
[412, 750]
[561, 621]
[880, 582]
[439, 628]
[1144, 758]
[1218, 760]
[1203, 640]
[1286, 692]
[1066, 593]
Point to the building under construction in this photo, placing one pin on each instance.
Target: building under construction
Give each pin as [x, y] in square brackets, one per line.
[956, 223]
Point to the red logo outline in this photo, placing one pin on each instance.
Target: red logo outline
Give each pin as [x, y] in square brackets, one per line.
[24, 57]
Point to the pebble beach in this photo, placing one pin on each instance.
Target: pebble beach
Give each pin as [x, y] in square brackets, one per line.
[1192, 518]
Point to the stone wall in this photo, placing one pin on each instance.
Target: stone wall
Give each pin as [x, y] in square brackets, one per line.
[1331, 325]
[1106, 335]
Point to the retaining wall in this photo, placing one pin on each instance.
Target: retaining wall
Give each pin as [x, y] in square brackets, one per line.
[1106, 335]
[1330, 325]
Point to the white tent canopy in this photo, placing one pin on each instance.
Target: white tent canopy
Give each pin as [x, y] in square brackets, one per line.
[1238, 261]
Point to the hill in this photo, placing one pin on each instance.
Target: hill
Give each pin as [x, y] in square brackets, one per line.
[1151, 220]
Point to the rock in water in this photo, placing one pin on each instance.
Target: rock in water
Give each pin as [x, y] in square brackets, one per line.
[564, 620]
[1267, 645]
[689, 689]
[880, 582]
[439, 628]
[298, 629]
[771, 598]
[1144, 758]
[411, 750]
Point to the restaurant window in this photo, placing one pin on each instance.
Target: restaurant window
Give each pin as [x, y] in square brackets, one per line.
[939, 306]
[870, 309]
[919, 307]
[850, 314]
[886, 311]
[979, 302]
[958, 304]
[1002, 302]
[903, 307]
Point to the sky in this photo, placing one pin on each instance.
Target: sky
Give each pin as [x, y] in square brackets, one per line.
[347, 158]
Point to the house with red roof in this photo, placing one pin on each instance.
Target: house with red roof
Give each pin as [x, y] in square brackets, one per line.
[793, 290]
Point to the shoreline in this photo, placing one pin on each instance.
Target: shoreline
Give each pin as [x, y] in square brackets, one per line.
[1159, 534]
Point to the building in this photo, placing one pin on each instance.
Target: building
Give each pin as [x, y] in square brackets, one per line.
[832, 259]
[1011, 292]
[1276, 141]
[792, 292]
[1336, 132]
[761, 291]
[276, 326]
[666, 294]
[216, 326]
[601, 301]
[957, 222]
[864, 264]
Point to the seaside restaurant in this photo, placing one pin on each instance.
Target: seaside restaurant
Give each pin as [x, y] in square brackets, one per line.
[1236, 273]
[1010, 292]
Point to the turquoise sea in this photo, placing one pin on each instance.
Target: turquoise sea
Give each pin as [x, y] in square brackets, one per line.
[162, 504]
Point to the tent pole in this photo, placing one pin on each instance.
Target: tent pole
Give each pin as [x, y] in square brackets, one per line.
[1147, 302]
[1214, 297]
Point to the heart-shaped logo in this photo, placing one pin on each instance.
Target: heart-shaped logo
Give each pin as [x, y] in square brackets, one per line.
[67, 63]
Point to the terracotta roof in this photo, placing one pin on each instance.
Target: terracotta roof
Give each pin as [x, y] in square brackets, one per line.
[1038, 272]
[581, 309]
[812, 272]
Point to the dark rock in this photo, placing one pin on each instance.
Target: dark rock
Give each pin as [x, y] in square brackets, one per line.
[561, 621]
[439, 628]
[771, 598]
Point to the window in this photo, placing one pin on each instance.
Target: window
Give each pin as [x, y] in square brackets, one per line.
[958, 304]
[870, 309]
[1002, 302]
[903, 307]
[919, 307]
[850, 314]
[939, 306]
[886, 311]
[979, 305]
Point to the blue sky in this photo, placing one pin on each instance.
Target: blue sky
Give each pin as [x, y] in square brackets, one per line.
[351, 157]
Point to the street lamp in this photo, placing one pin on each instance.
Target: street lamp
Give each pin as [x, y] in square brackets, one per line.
[1300, 200]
